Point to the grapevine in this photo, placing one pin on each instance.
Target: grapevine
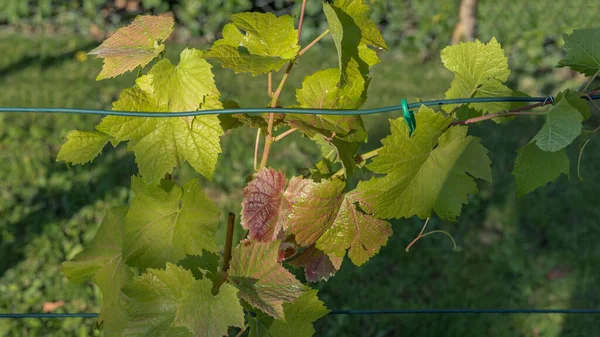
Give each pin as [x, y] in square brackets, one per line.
[156, 260]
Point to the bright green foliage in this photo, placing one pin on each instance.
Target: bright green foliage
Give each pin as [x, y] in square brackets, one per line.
[353, 30]
[479, 71]
[534, 167]
[426, 172]
[321, 91]
[163, 226]
[269, 42]
[299, 314]
[262, 281]
[563, 123]
[171, 302]
[82, 146]
[583, 51]
[163, 143]
[183, 87]
[328, 217]
[134, 46]
[102, 260]
[202, 266]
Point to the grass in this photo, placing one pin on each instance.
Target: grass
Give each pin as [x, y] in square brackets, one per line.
[537, 251]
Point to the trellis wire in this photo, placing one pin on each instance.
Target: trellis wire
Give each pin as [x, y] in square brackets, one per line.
[544, 100]
[361, 312]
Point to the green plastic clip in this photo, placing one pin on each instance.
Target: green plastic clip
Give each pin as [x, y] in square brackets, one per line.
[409, 117]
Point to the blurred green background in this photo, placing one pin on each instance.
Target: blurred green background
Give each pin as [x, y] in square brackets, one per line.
[537, 251]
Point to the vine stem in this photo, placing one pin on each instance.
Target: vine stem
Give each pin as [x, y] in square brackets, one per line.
[275, 98]
[313, 42]
[278, 138]
[270, 84]
[256, 143]
[228, 241]
[239, 334]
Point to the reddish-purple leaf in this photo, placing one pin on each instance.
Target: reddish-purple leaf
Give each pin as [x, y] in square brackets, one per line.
[134, 45]
[317, 265]
[266, 205]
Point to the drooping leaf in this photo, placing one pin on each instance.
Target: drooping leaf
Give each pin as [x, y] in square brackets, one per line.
[534, 168]
[82, 146]
[268, 42]
[583, 51]
[432, 170]
[163, 143]
[329, 218]
[262, 281]
[337, 150]
[320, 91]
[263, 208]
[299, 314]
[563, 125]
[134, 45]
[480, 70]
[171, 302]
[163, 226]
[102, 260]
[317, 265]
[184, 86]
[353, 30]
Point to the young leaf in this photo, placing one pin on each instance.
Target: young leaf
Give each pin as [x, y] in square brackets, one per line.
[299, 314]
[317, 265]
[183, 87]
[171, 302]
[269, 42]
[583, 51]
[432, 170]
[134, 46]
[534, 167]
[327, 217]
[321, 91]
[267, 203]
[160, 144]
[479, 71]
[262, 281]
[264, 208]
[164, 226]
[102, 260]
[82, 146]
[563, 125]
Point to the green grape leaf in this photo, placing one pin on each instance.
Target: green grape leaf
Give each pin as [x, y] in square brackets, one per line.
[317, 265]
[171, 302]
[299, 314]
[479, 71]
[583, 51]
[183, 87]
[160, 144]
[432, 170]
[328, 217]
[337, 150]
[262, 281]
[320, 91]
[163, 226]
[102, 260]
[82, 146]
[563, 125]
[202, 266]
[269, 42]
[534, 167]
[353, 30]
[134, 46]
